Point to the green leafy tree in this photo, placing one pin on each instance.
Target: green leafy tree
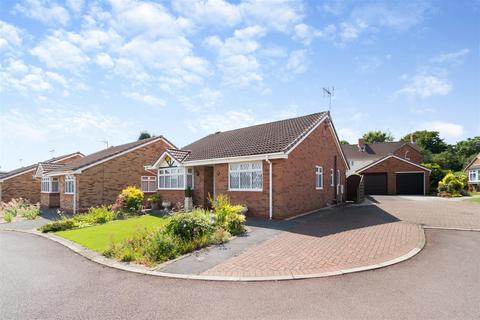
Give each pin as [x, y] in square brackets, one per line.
[428, 141]
[436, 175]
[344, 142]
[448, 159]
[377, 136]
[144, 135]
[467, 149]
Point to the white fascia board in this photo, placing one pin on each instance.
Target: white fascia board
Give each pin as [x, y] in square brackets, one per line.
[160, 159]
[258, 157]
[60, 173]
[308, 132]
[393, 156]
[119, 154]
[17, 174]
[70, 156]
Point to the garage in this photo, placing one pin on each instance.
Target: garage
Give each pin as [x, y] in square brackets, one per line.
[410, 183]
[375, 183]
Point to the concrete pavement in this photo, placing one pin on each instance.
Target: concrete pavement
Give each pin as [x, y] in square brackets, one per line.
[40, 279]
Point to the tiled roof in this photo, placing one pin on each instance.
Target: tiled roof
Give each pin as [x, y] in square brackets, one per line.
[104, 154]
[179, 155]
[33, 166]
[273, 137]
[373, 150]
[47, 167]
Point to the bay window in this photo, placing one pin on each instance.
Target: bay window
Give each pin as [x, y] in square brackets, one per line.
[69, 186]
[246, 176]
[148, 183]
[49, 185]
[175, 178]
[319, 177]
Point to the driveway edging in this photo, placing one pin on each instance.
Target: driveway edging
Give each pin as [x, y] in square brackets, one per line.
[131, 267]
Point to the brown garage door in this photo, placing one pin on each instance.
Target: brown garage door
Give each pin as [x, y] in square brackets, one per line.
[409, 183]
[375, 183]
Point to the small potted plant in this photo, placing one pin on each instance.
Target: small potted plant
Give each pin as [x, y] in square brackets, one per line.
[155, 200]
[188, 199]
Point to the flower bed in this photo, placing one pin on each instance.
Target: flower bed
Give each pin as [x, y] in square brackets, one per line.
[18, 209]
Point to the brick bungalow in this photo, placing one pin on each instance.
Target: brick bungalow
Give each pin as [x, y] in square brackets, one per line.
[389, 167]
[278, 170]
[473, 172]
[22, 183]
[98, 178]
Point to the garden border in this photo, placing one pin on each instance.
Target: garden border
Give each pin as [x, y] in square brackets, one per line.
[140, 269]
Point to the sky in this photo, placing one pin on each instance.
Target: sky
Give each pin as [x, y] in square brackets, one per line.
[75, 74]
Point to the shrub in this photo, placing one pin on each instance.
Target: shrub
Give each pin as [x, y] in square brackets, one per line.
[436, 175]
[97, 215]
[129, 201]
[227, 215]
[220, 236]
[162, 247]
[19, 207]
[155, 200]
[8, 216]
[452, 184]
[130, 249]
[191, 225]
[60, 225]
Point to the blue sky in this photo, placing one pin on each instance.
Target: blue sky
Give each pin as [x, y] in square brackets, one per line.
[76, 73]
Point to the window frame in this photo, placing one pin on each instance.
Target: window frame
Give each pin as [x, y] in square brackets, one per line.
[251, 171]
[49, 181]
[475, 172]
[149, 180]
[70, 180]
[319, 174]
[186, 172]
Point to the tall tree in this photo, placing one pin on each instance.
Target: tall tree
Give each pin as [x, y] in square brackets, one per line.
[467, 149]
[377, 136]
[144, 135]
[428, 140]
[344, 142]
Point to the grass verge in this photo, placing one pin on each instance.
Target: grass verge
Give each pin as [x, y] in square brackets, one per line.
[99, 237]
[476, 200]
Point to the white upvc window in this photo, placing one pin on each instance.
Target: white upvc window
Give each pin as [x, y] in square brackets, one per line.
[69, 185]
[245, 176]
[49, 185]
[175, 178]
[473, 175]
[148, 183]
[332, 178]
[318, 177]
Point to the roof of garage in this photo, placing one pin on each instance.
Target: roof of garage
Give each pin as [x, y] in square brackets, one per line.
[392, 156]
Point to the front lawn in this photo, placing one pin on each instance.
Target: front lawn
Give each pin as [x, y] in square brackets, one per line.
[99, 237]
[476, 200]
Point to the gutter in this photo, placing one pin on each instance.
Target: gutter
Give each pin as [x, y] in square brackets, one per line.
[270, 188]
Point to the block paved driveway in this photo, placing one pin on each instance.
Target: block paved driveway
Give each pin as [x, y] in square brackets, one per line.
[350, 237]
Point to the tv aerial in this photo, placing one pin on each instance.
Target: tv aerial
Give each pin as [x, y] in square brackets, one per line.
[329, 92]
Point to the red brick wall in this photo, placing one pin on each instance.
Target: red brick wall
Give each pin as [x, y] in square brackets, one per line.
[49, 200]
[294, 184]
[101, 184]
[413, 154]
[22, 186]
[391, 166]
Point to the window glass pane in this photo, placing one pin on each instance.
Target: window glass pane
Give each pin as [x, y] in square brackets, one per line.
[190, 181]
[181, 181]
[245, 166]
[234, 166]
[245, 180]
[162, 182]
[167, 182]
[152, 185]
[234, 180]
[257, 180]
[144, 186]
[55, 186]
[256, 165]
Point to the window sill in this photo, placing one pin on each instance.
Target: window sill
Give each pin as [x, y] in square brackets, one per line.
[245, 190]
[69, 193]
[319, 188]
[172, 189]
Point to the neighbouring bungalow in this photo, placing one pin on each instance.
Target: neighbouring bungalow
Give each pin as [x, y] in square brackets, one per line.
[97, 179]
[388, 167]
[22, 183]
[278, 170]
[473, 172]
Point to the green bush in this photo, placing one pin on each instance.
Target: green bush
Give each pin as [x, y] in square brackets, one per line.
[96, 215]
[60, 225]
[452, 184]
[132, 249]
[436, 175]
[155, 200]
[132, 199]
[191, 225]
[8, 216]
[227, 215]
[19, 207]
[162, 247]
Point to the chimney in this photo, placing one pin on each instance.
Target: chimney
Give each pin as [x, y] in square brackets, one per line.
[361, 144]
[413, 138]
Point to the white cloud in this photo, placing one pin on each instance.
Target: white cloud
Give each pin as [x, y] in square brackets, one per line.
[450, 131]
[296, 63]
[75, 5]
[349, 134]
[145, 98]
[21, 125]
[46, 11]
[306, 33]
[454, 58]
[24, 78]
[203, 101]
[222, 122]
[424, 85]
[59, 53]
[10, 36]
[209, 12]
[104, 60]
[280, 15]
